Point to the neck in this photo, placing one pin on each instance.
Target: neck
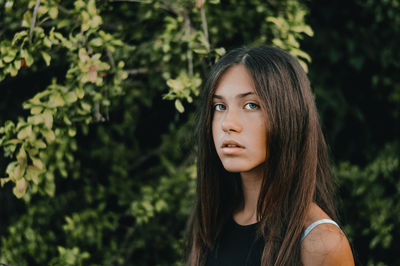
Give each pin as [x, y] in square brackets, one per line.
[251, 185]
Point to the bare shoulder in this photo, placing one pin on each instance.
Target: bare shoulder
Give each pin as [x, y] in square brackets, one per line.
[326, 244]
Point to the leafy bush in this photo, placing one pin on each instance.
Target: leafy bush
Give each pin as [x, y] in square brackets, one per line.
[97, 118]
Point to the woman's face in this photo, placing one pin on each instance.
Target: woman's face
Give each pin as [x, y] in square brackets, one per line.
[239, 123]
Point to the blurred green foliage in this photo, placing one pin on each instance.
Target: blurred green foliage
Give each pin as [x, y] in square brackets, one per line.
[355, 78]
[97, 118]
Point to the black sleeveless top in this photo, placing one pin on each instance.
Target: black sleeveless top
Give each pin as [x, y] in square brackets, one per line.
[237, 245]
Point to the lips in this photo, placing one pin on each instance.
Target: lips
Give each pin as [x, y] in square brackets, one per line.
[231, 147]
[231, 143]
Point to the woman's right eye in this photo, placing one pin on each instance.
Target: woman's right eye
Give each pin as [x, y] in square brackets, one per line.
[219, 107]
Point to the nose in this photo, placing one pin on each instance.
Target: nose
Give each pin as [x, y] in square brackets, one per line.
[231, 122]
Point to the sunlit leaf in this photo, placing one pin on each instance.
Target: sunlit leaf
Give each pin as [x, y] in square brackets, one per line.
[179, 106]
[46, 58]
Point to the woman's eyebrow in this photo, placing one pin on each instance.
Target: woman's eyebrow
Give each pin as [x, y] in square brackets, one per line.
[215, 96]
[241, 95]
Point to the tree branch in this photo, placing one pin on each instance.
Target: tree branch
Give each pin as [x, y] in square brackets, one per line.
[132, 1]
[33, 20]
[189, 50]
[98, 116]
[137, 71]
[110, 58]
[205, 28]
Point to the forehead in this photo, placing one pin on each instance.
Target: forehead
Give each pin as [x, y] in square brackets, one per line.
[235, 80]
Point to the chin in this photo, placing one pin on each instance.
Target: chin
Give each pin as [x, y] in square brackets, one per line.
[237, 168]
[241, 166]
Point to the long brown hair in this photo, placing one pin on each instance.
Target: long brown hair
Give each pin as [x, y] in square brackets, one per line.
[297, 171]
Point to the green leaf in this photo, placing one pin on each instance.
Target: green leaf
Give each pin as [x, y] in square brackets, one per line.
[67, 121]
[8, 6]
[42, 10]
[20, 188]
[220, 51]
[35, 119]
[37, 163]
[46, 57]
[72, 132]
[308, 30]
[56, 100]
[36, 110]
[53, 12]
[10, 168]
[25, 132]
[92, 8]
[47, 42]
[79, 4]
[13, 71]
[17, 64]
[63, 23]
[21, 156]
[26, 22]
[49, 135]
[97, 42]
[200, 51]
[32, 173]
[175, 84]
[96, 21]
[3, 181]
[179, 106]
[80, 92]
[48, 119]
[8, 58]
[160, 205]
[117, 43]
[50, 187]
[85, 106]
[70, 97]
[19, 36]
[39, 144]
[28, 59]
[12, 141]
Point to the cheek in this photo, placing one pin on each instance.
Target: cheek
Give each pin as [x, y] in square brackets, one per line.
[260, 139]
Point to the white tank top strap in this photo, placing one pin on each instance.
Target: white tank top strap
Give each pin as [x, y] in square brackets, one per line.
[314, 224]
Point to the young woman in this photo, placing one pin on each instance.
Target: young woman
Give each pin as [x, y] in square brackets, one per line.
[264, 185]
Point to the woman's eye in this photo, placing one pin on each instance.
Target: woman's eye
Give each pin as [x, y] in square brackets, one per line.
[219, 107]
[251, 106]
